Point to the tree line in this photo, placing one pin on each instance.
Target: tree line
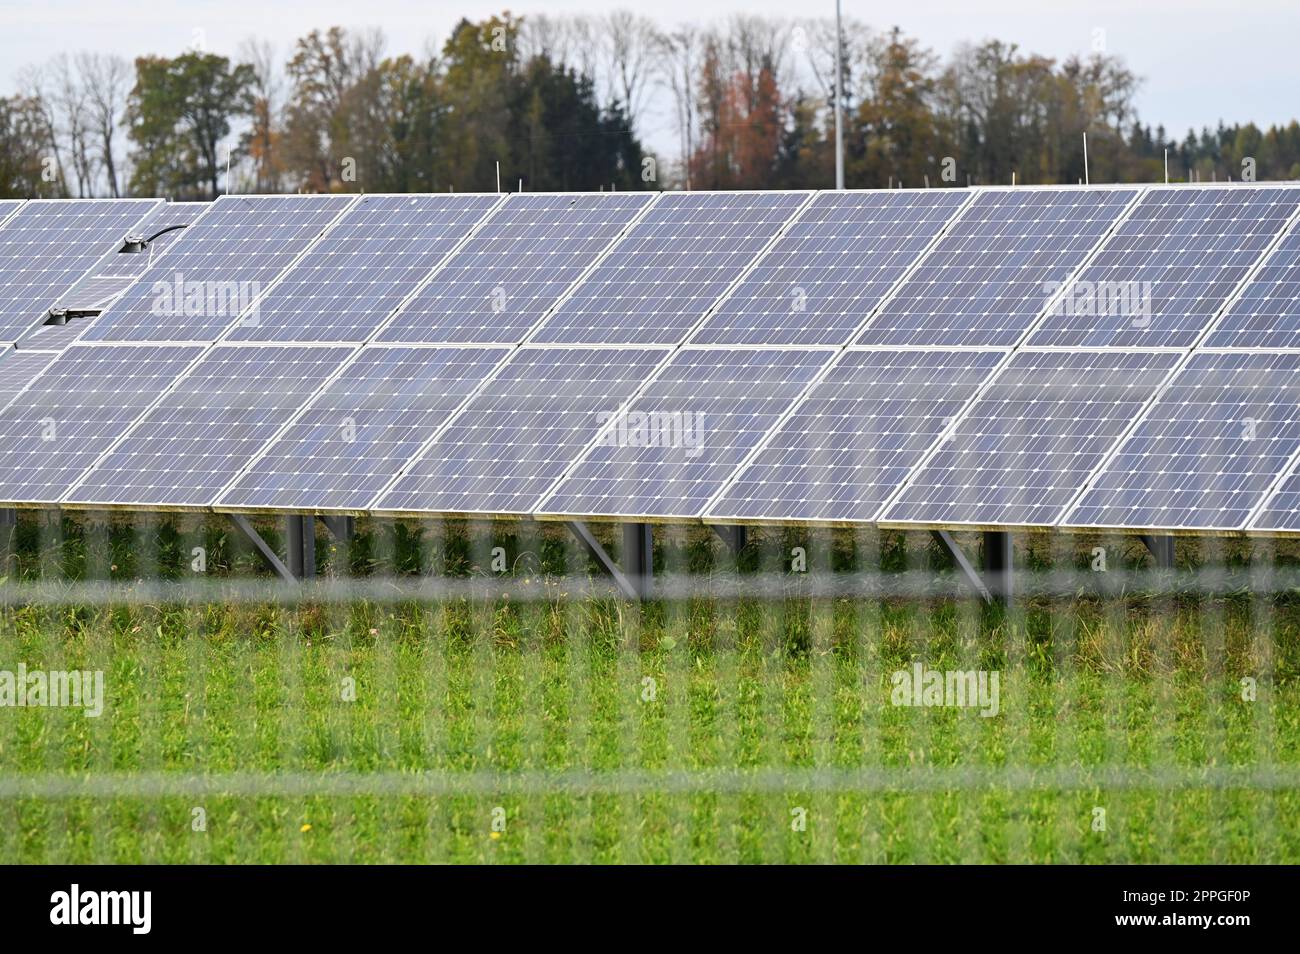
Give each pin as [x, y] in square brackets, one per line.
[566, 103]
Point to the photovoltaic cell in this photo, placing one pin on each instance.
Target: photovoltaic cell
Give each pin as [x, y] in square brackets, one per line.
[516, 267]
[198, 438]
[515, 439]
[72, 413]
[1026, 447]
[1267, 315]
[1206, 451]
[1169, 268]
[48, 245]
[115, 272]
[992, 274]
[17, 368]
[229, 256]
[686, 434]
[831, 268]
[669, 269]
[856, 435]
[357, 434]
[368, 262]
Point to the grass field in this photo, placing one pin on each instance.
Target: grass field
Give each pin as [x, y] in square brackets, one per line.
[574, 728]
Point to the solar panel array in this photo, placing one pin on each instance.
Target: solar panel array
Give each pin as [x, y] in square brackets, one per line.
[1169, 268]
[207, 427]
[1206, 451]
[227, 259]
[48, 245]
[1267, 315]
[987, 357]
[115, 272]
[363, 268]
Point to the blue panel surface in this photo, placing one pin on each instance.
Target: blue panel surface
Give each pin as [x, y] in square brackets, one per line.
[668, 270]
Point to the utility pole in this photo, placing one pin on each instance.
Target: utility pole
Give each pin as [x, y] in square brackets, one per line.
[839, 79]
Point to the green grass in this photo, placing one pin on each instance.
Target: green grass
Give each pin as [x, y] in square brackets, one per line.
[684, 731]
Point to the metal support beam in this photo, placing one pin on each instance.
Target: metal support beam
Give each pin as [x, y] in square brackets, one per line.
[999, 566]
[638, 557]
[1162, 548]
[340, 527]
[968, 570]
[592, 546]
[302, 546]
[8, 517]
[734, 536]
[263, 547]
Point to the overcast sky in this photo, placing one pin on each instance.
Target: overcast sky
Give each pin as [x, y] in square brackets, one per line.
[1201, 60]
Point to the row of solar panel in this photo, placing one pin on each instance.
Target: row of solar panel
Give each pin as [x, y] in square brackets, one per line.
[525, 418]
[982, 285]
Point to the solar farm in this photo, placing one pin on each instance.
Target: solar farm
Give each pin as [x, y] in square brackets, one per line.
[607, 526]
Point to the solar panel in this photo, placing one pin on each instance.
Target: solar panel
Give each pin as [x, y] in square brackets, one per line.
[357, 434]
[1026, 447]
[1206, 451]
[17, 368]
[48, 245]
[855, 436]
[686, 434]
[228, 257]
[515, 268]
[198, 438]
[1281, 512]
[991, 275]
[669, 269]
[72, 413]
[114, 273]
[1267, 315]
[1168, 268]
[831, 268]
[368, 262]
[515, 439]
